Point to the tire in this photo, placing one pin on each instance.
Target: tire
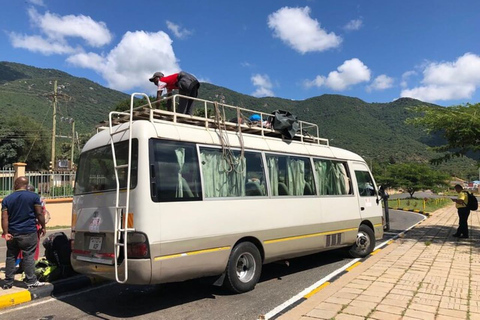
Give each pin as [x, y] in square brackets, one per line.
[364, 243]
[243, 269]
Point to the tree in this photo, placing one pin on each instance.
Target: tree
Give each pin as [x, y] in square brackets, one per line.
[412, 177]
[459, 125]
[24, 140]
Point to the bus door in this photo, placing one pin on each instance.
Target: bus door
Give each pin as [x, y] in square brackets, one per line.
[366, 191]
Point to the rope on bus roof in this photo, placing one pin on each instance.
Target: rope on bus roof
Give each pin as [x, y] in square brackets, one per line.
[224, 141]
[240, 135]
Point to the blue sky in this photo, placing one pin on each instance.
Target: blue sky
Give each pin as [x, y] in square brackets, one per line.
[375, 50]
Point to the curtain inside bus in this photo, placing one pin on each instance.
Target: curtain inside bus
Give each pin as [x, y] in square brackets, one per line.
[290, 175]
[332, 177]
[272, 163]
[223, 175]
[180, 153]
[296, 176]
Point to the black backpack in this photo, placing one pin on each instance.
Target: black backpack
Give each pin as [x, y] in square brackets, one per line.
[285, 122]
[186, 81]
[472, 203]
[57, 249]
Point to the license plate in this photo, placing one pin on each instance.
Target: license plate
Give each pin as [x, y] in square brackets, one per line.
[95, 243]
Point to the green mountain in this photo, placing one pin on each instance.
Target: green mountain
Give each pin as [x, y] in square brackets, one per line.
[26, 90]
[374, 130]
[377, 131]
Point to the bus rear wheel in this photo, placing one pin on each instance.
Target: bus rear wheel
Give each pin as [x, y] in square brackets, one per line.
[243, 268]
[364, 243]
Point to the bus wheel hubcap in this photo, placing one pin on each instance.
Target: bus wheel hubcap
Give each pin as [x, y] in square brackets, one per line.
[245, 267]
[362, 241]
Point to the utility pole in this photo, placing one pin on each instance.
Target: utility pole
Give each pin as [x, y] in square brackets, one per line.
[52, 162]
[54, 126]
[73, 144]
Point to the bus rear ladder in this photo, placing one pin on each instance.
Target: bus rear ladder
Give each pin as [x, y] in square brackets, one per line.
[122, 210]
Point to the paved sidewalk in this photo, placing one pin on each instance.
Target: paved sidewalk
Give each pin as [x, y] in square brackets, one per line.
[426, 274]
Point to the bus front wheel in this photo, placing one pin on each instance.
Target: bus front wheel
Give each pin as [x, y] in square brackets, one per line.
[364, 243]
[243, 268]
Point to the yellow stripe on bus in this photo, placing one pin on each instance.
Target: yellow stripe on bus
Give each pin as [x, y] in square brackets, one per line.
[190, 253]
[308, 236]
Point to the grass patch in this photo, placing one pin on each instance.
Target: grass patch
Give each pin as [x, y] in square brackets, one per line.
[431, 204]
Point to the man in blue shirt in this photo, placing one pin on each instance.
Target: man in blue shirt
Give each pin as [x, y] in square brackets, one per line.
[20, 212]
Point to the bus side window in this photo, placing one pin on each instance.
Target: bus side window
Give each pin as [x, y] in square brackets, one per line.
[176, 171]
[308, 191]
[282, 189]
[332, 177]
[365, 184]
[253, 188]
[255, 185]
[290, 175]
[231, 175]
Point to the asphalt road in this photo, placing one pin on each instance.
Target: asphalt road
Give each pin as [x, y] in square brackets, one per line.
[197, 299]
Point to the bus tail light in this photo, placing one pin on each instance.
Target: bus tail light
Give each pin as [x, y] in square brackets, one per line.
[74, 219]
[72, 241]
[137, 246]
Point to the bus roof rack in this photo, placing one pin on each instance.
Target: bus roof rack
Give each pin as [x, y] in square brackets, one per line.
[214, 115]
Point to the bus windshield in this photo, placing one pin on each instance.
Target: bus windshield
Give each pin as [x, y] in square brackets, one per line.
[96, 173]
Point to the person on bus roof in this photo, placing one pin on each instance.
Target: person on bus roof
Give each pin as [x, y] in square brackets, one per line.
[187, 85]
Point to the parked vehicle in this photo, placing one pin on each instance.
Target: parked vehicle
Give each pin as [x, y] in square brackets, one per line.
[174, 197]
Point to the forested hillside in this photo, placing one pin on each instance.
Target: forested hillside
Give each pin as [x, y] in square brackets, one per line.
[376, 131]
[26, 90]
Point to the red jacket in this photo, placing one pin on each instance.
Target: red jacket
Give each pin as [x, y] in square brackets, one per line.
[169, 82]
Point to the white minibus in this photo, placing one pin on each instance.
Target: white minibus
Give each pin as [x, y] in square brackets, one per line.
[165, 197]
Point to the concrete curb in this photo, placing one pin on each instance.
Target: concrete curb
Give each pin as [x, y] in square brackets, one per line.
[428, 214]
[422, 276]
[329, 280]
[22, 295]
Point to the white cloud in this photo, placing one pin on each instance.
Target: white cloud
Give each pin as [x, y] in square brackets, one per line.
[351, 72]
[39, 44]
[381, 82]
[96, 34]
[263, 84]
[136, 57]
[55, 30]
[127, 66]
[317, 82]
[406, 76]
[448, 80]
[353, 25]
[177, 30]
[296, 28]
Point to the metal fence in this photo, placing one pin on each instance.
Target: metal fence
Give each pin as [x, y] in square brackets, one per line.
[50, 184]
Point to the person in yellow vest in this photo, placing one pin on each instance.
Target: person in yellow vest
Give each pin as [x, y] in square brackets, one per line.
[463, 212]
